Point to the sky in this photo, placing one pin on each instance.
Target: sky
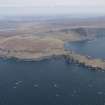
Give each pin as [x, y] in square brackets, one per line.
[52, 6]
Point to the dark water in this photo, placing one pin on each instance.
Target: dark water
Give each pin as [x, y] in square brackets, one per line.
[50, 82]
[94, 48]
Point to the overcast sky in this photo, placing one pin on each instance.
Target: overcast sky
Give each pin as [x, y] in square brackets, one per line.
[46, 3]
[57, 6]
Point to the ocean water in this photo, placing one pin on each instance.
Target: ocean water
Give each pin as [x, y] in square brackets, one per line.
[94, 48]
[50, 82]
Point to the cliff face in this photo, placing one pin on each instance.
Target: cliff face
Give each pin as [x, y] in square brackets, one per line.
[86, 61]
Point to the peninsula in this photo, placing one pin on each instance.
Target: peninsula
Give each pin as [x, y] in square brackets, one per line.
[33, 40]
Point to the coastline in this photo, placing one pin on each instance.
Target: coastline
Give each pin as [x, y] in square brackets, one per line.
[86, 61]
[71, 57]
[47, 56]
[49, 44]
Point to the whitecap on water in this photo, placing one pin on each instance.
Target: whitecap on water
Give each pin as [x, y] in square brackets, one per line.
[100, 93]
[57, 95]
[55, 85]
[36, 85]
[18, 82]
[90, 85]
[72, 95]
[74, 91]
[15, 87]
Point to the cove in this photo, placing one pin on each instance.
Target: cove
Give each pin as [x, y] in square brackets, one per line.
[94, 48]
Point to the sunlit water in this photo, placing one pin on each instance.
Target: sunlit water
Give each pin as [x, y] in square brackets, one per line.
[50, 82]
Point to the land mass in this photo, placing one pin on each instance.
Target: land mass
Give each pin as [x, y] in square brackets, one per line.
[35, 40]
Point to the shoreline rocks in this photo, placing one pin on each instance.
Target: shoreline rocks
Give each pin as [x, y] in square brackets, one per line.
[71, 57]
[83, 60]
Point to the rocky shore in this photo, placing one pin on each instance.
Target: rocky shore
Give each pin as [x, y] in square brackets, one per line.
[71, 57]
[87, 61]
